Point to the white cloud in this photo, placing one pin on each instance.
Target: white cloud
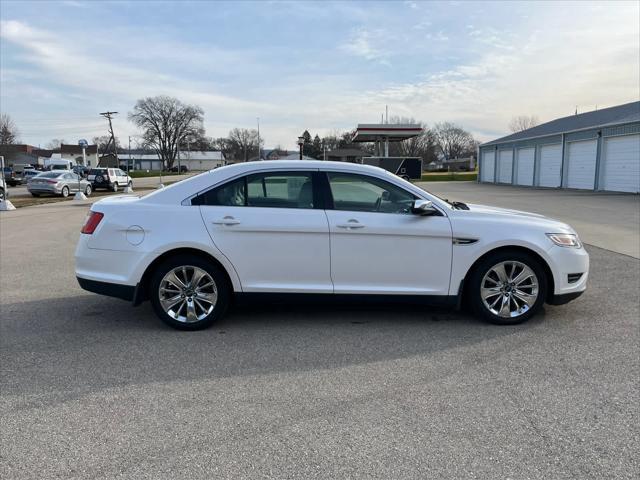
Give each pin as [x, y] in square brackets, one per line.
[364, 43]
[545, 73]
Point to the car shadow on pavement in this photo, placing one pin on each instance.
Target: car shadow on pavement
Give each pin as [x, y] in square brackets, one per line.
[73, 346]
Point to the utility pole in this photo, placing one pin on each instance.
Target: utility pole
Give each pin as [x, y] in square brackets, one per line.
[129, 161]
[112, 138]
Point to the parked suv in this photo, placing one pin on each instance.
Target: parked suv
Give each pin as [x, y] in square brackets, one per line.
[109, 178]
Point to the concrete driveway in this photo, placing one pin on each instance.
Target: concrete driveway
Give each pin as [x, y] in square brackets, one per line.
[93, 388]
[606, 220]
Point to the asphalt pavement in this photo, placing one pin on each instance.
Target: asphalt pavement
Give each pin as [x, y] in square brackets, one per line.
[605, 219]
[94, 388]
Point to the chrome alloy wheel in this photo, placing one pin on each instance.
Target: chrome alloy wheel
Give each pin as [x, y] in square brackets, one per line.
[188, 294]
[509, 289]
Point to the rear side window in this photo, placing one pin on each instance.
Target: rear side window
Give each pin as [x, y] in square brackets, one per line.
[274, 190]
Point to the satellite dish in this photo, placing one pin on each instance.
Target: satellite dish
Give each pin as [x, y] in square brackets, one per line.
[83, 143]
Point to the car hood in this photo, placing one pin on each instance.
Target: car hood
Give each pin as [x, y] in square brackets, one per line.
[486, 209]
[487, 215]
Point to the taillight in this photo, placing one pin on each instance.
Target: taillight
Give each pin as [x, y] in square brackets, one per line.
[91, 222]
[52, 181]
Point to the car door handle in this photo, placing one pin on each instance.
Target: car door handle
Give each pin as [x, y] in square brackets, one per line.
[227, 221]
[350, 225]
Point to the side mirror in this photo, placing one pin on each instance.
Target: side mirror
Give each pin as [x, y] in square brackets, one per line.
[423, 207]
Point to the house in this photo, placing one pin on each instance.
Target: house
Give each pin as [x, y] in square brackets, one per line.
[146, 160]
[74, 153]
[597, 150]
[24, 155]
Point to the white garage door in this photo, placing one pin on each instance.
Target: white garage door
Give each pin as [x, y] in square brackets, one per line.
[581, 160]
[505, 164]
[550, 165]
[488, 166]
[525, 158]
[621, 164]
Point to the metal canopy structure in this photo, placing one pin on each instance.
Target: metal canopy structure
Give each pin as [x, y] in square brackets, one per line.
[371, 132]
[382, 133]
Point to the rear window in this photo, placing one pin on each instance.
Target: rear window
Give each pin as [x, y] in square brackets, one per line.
[50, 174]
[97, 171]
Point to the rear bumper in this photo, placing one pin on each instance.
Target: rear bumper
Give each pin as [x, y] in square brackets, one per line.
[124, 292]
[44, 189]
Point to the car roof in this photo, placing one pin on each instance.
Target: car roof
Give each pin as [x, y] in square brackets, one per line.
[179, 191]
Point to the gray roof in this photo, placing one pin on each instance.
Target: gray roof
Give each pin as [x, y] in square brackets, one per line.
[627, 113]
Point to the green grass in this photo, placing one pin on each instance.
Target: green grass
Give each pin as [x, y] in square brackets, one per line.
[150, 173]
[449, 177]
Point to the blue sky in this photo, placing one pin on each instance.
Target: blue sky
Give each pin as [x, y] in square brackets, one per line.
[320, 66]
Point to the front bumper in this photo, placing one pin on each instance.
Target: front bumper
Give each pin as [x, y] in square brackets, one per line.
[565, 262]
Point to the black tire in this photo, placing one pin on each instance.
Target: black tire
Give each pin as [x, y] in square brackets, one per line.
[130, 184]
[1, 194]
[218, 276]
[98, 179]
[114, 187]
[473, 288]
[65, 192]
[87, 191]
[35, 194]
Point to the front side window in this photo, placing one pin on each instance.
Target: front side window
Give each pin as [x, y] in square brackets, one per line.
[274, 190]
[361, 193]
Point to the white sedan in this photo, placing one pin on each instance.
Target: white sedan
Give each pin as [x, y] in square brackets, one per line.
[322, 228]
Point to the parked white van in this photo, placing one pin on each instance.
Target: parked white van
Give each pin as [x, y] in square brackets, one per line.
[58, 164]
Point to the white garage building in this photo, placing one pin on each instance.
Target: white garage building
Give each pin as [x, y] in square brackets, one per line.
[597, 150]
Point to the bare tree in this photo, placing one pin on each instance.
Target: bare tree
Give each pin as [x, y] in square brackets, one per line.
[8, 131]
[103, 142]
[242, 142]
[423, 145]
[523, 122]
[453, 141]
[166, 123]
[55, 143]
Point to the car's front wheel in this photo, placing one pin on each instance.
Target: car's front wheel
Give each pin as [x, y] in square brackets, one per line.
[508, 287]
[188, 292]
[115, 187]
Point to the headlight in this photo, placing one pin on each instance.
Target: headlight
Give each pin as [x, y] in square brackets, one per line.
[565, 239]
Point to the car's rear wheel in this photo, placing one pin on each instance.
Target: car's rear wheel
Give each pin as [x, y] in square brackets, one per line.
[508, 287]
[65, 192]
[114, 187]
[130, 184]
[87, 190]
[188, 292]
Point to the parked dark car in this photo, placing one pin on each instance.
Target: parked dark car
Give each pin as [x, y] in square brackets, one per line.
[10, 177]
[183, 169]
